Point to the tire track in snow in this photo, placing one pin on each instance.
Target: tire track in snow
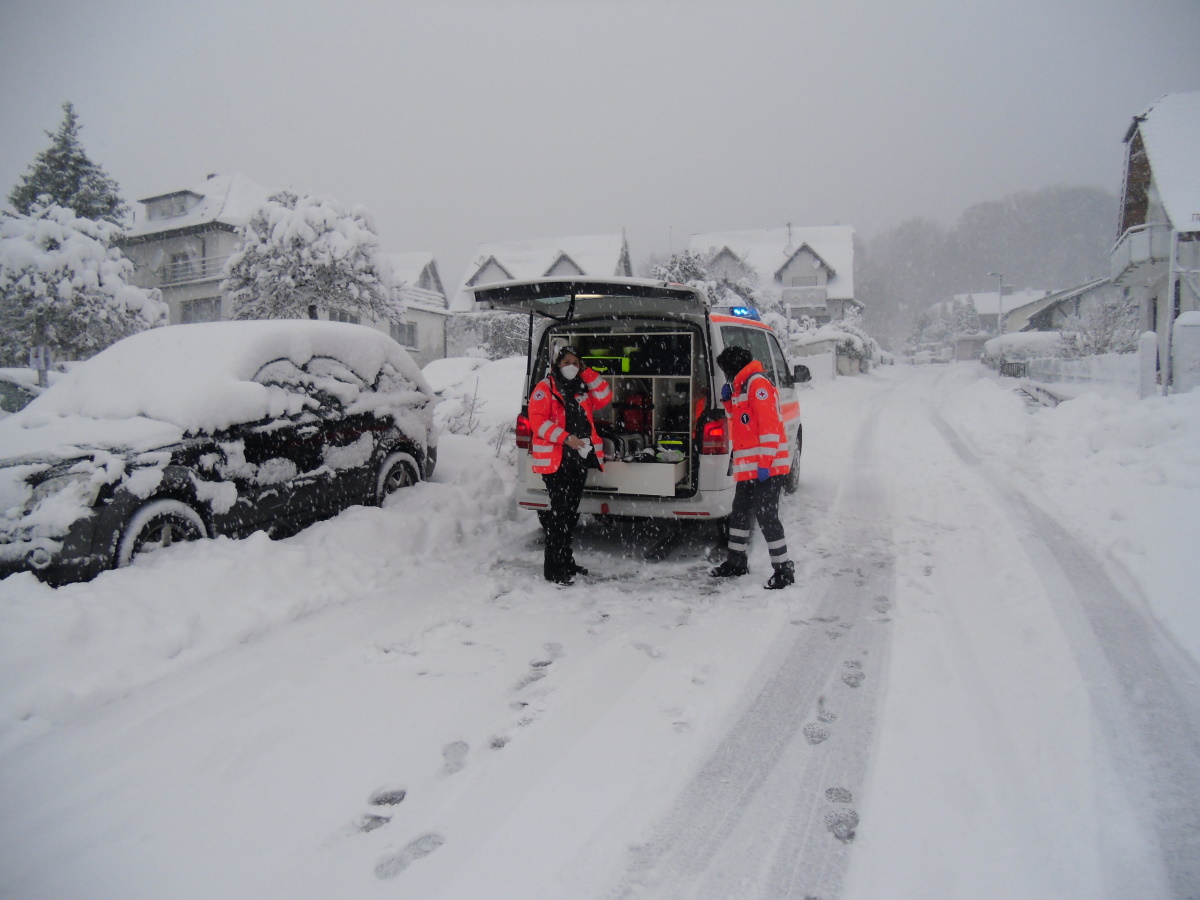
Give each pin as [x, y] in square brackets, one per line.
[1143, 688]
[767, 813]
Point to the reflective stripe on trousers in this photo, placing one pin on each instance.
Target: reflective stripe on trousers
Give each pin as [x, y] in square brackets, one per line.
[757, 500]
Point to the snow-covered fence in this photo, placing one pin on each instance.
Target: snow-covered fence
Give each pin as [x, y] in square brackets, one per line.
[1120, 370]
[1026, 356]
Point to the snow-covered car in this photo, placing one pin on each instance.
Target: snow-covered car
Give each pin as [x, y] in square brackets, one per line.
[17, 388]
[225, 428]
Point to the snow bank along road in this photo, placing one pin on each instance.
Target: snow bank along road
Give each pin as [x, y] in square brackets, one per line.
[960, 698]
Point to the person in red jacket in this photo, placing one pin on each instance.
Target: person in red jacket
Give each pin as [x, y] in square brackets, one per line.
[760, 461]
[565, 446]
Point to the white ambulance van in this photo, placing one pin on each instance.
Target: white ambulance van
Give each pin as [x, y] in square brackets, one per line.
[667, 451]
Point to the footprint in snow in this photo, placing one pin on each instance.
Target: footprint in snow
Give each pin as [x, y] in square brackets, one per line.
[380, 800]
[841, 824]
[530, 677]
[815, 734]
[824, 715]
[370, 821]
[652, 652]
[853, 676]
[455, 755]
[393, 865]
[388, 796]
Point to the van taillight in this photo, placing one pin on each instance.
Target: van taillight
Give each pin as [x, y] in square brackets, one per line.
[714, 440]
[524, 433]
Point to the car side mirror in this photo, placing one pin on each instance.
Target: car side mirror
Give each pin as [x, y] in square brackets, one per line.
[801, 374]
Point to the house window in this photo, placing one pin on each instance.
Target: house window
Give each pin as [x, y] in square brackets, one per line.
[338, 315]
[206, 309]
[405, 334]
[804, 281]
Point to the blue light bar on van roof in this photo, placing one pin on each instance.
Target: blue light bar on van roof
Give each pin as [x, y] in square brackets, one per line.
[745, 312]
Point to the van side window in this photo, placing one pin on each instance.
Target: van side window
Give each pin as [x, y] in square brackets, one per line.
[786, 378]
[754, 340]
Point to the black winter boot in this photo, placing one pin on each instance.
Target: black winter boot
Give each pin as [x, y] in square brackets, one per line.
[730, 569]
[785, 574]
[560, 576]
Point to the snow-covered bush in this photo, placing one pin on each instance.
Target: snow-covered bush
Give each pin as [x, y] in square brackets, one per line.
[481, 399]
[300, 255]
[64, 284]
[852, 341]
[1110, 326]
[692, 269]
[489, 334]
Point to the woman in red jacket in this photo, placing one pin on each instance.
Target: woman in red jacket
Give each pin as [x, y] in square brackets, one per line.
[760, 462]
[565, 446]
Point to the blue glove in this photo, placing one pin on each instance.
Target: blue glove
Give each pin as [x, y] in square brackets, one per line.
[763, 473]
[726, 393]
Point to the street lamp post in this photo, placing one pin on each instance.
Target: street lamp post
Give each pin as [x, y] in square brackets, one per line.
[999, 301]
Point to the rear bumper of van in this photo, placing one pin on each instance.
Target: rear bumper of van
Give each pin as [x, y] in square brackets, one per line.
[704, 504]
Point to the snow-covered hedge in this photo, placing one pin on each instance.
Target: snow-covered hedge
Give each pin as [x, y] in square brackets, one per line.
[1020, 346]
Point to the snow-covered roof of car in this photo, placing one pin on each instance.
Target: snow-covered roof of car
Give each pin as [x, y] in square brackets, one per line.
[156, 386]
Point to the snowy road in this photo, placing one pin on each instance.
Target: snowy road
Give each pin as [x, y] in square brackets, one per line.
[963, 697]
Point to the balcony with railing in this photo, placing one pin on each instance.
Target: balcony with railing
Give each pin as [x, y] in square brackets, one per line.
[186, 271]
[812, 297]
[1142, 245]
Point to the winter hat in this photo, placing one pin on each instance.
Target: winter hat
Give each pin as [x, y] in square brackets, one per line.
[563, 351]
[732, 360]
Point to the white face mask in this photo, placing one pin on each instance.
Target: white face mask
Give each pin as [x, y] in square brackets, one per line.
[569, 372]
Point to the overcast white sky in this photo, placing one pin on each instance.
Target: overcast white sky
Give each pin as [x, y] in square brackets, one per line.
[461, 122]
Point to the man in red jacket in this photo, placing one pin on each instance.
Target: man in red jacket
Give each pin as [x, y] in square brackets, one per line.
[565, 446]
[761, 459]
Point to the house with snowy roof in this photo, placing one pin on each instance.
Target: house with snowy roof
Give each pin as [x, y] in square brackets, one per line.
[597, 255]
[1053, 311]
[179, 243]
[417, 284]
[990, 306]
[804, 271]
[1156, 259]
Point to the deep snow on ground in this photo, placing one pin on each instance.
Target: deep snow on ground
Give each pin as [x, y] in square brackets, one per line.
[927, 714]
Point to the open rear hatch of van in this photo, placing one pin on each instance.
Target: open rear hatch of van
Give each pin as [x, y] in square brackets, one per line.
[568, 298]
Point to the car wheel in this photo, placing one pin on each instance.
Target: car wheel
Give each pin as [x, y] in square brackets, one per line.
[398, 471]
[159, 524]
[793, 477]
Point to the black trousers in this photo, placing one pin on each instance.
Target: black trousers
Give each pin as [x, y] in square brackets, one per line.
[757, 500]
[566, 489]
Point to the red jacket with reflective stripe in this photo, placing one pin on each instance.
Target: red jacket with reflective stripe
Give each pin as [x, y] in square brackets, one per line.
[548, 419]
[759, 439]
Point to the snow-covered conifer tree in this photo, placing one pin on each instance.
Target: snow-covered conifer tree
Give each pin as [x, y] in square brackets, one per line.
[63, 175]
[304, 254]
[64, 285]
